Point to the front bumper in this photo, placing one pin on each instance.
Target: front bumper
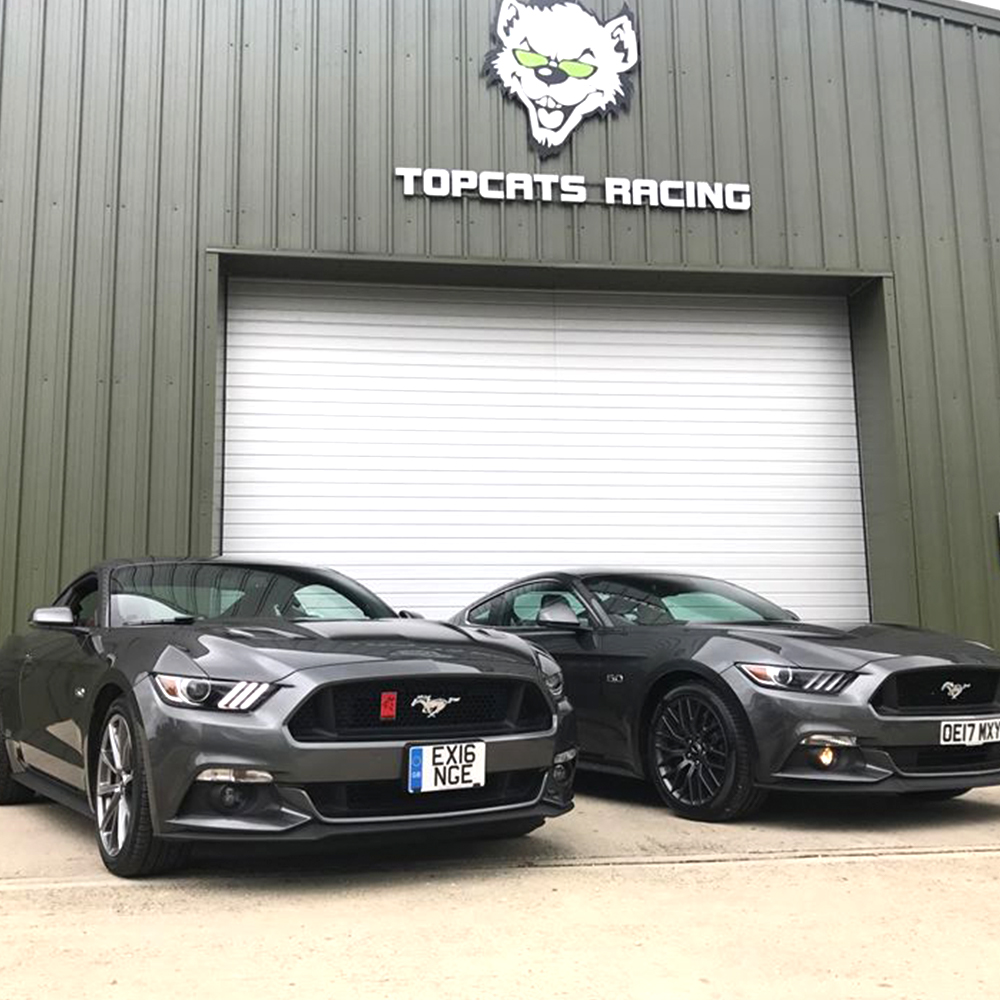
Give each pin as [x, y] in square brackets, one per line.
[179, 744]
[894, 753]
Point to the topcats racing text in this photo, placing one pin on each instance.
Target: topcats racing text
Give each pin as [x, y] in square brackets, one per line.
[494, 185]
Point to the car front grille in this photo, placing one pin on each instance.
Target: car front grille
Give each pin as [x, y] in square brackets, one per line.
[359, 799]
[930, 690]
[945, 760]
[458, 708]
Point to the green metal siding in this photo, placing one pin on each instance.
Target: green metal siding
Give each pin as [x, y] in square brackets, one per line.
[136, 135]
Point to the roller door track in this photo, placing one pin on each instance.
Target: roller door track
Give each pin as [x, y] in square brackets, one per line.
[435, 443]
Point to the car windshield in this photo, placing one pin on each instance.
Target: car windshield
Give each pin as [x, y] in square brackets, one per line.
[660, 600]
[181, 592]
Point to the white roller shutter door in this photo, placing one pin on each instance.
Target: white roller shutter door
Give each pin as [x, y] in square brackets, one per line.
[435, 443]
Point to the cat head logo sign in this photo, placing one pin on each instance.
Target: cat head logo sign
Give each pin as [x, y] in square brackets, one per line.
[563, 63]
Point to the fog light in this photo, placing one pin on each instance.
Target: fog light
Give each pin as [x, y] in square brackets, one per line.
[236, 776]
[826, 757]
[565, 757]
[231, 797]
[830, 740]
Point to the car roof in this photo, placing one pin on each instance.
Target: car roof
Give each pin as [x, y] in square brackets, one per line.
[570, 575]
[585, 571]
[630, 571]
[105, 569]
[256, 562]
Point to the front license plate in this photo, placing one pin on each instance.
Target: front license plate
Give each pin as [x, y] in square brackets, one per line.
[970, 734]
[447, 767]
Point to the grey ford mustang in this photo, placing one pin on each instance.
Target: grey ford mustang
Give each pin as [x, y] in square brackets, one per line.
[717, 695]
[176, 701]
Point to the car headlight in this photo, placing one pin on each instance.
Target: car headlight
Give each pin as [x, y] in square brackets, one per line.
[803, 679]
[553, 676]
[220, 696]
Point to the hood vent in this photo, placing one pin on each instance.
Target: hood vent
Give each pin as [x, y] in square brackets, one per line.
[262, 632]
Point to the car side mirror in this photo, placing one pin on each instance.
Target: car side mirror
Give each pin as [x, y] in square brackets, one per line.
[791, 615]
[53, 618]
[410, 614]
[559, 615]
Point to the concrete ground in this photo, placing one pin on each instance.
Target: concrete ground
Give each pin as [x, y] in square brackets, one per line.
[838, 897]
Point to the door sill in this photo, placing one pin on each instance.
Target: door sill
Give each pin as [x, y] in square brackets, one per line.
[49, 788]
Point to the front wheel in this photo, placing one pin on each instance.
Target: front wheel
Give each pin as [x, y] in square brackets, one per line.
[700, 756]
[125, 836]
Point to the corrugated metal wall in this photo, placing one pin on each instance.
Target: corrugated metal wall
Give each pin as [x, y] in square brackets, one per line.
[136, 133]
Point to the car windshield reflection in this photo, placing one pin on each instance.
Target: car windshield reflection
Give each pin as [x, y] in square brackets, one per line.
[181, 593]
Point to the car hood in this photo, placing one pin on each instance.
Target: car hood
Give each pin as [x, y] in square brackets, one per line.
[850, 647]
[271, 650]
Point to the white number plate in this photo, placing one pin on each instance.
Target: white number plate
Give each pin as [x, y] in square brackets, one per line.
[446, 767]
[970, 734]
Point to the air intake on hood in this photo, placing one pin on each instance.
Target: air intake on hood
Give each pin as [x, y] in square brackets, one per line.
[259, 632]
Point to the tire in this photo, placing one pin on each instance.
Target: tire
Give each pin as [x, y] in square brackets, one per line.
[12, 793]
[125, 838]
[700, 756]
[938, 795]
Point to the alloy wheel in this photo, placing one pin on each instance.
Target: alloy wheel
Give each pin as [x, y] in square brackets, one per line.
[115, 785]
[692, 749]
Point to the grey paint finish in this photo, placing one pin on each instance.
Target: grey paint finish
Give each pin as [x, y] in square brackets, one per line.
[135, 135]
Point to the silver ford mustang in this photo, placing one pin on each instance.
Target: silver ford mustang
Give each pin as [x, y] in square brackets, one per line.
[185, 700]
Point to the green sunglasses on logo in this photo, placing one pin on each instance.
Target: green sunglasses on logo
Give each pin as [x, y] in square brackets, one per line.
[571, 67]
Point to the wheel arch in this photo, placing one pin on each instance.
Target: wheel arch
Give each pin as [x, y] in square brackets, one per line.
[672, 675]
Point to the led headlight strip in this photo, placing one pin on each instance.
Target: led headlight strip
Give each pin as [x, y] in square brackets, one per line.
[801, 679]
[209, 695]
[243, 697]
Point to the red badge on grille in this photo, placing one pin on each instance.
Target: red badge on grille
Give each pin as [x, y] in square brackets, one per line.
[387, 712]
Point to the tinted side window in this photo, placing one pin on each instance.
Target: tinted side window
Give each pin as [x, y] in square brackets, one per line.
[525, 603]
[487, 613]
[83, 600]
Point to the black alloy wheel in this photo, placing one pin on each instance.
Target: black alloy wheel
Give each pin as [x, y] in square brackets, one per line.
[700, 755]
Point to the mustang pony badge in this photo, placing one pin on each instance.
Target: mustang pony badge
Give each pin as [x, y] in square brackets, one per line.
[563, 64]
[432, 707]
[953, 690]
